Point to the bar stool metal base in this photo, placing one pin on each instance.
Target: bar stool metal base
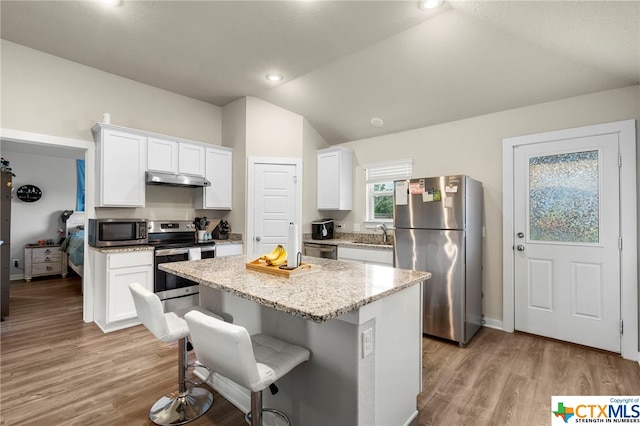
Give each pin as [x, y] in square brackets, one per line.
[256, 407]
[181, 409]
[247, 417]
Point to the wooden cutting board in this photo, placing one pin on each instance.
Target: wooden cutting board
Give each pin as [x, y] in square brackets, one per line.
[303, 269]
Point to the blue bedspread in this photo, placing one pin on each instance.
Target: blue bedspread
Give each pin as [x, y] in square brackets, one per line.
[74, 246]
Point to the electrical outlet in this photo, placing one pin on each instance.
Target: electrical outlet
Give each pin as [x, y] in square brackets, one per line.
[367, 342]
[16, 262]
[356, 227]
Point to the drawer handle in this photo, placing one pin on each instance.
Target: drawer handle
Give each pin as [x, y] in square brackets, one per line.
[47, 251]
[46, 259]
[49, 268]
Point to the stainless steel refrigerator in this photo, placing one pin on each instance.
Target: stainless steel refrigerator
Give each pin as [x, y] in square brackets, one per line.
[438, 225]
[5, 237]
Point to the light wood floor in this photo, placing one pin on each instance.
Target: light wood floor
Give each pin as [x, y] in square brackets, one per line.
[57, 370]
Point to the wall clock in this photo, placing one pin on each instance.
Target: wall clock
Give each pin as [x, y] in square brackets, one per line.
[29, 193]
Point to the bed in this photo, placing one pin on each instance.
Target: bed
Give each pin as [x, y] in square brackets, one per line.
[73, 244]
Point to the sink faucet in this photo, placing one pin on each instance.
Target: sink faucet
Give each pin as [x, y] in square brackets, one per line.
[383, 227]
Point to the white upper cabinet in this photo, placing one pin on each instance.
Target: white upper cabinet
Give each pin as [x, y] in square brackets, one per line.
[162, 155]
[121, 165]
[218, 171]
[191, 159]
[335, 179]
[124, 155]
[173, 156]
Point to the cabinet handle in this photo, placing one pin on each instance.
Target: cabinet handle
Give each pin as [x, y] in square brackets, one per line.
[47, 251]
[49, 268]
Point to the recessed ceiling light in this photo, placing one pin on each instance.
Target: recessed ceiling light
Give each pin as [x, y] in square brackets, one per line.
[272, 76]
[377, 122]
[430, 4]
[112, 2]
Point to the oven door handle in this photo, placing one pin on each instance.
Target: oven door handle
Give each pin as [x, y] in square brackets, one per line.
[167, 252]
[182, 250]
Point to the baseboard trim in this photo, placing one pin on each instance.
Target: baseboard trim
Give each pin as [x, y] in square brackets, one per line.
[413, 416]
[493, 323]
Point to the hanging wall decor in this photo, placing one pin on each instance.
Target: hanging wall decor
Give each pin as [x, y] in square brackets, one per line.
[29, 193]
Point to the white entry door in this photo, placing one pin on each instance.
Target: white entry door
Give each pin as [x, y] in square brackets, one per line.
[274, 205]
[567, 242]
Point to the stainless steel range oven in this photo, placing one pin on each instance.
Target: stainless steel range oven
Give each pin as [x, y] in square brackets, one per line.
[175, 241]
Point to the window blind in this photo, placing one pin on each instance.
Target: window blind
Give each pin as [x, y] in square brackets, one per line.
[388, 170]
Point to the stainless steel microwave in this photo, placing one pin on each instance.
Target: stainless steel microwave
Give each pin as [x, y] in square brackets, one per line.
[117, 232]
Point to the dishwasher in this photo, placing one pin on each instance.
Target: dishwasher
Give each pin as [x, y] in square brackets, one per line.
[327, 251]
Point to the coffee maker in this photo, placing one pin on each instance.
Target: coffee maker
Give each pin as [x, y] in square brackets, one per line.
[221, 231]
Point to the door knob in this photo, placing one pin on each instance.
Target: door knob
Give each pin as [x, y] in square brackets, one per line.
[520, 247]
[257, 238]
[520, 234]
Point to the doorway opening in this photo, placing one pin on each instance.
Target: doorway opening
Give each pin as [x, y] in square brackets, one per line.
[26, 143]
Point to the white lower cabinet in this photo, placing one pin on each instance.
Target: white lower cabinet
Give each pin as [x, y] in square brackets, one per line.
[113, 272]
[366, 255]
[229, 249]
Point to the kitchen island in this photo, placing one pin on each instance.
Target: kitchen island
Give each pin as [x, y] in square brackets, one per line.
[362, 324]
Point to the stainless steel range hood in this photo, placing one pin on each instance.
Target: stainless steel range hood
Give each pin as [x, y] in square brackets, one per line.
[170, 179]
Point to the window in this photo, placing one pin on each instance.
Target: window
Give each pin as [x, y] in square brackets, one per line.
[379, 178]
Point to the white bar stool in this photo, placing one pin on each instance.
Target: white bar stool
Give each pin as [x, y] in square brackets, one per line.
[254, 362]
[188, 404]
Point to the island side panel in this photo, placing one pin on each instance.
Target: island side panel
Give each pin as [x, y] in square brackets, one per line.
[233, 309]
[398, 349]
[338, 385]
[324, 390]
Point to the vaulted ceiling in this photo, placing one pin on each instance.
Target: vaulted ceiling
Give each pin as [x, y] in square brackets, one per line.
[346, 62]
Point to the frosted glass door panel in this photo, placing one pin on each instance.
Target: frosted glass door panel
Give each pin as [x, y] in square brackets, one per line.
[564, 197]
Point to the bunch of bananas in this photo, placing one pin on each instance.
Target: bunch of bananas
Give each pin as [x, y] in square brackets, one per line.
[277, 257]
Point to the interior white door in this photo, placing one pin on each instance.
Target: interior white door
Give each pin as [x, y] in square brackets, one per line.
[275, 205]
[567, 242]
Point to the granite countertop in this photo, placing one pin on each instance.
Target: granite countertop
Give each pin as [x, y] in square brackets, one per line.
[122, 249]
[337, 288]
[125, 249]
[344, 239]
[228, 241]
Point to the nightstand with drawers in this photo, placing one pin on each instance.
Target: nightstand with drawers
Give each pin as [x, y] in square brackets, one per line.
[44, 260]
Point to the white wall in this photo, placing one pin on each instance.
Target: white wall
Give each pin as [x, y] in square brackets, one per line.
[234, 135]
[272, 131]
[255, 128]
[312, 142]
[45, 94]
[474, 147]
[39, 220]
